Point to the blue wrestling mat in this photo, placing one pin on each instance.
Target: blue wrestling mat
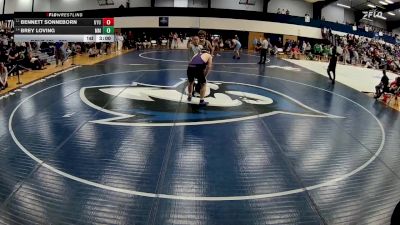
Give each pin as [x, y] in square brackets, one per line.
[118, 143]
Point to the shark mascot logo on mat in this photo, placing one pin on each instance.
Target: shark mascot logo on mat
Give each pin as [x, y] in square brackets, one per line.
[141, 104]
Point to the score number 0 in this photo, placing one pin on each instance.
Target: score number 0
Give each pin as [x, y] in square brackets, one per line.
[108, 21]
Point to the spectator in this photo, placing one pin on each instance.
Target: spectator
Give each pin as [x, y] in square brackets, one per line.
[303, 47]
[279, 11]
[326, 51]
[339, 50]
[308, 48]
[287, 12]
[279, 43]
[3, 76]
[139, 44]
[93, 52]
[120, 41]
[4, 40]
[221, 44]
[295, 52]
[395, 85]
[147, 44]
[383, 86]
[175, 37]
[170, 39]
[356, 57]
[59, 53]
[288, 46]
[14, 60]
[33, 62]
[317, 49]
[255, 43]
[370, 53]
[3, 56]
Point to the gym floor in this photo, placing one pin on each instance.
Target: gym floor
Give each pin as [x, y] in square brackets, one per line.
[117, 143]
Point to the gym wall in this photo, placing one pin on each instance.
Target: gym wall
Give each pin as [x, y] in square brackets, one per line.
[220, 24]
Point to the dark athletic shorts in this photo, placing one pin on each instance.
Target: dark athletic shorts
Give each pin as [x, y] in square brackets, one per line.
[196, 72]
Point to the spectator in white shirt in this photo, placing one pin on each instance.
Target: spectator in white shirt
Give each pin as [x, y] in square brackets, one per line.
[304, 47]
[120, 42]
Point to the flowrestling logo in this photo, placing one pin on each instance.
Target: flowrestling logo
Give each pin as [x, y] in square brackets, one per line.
[140, 104]
[373, 14]
[64, 15]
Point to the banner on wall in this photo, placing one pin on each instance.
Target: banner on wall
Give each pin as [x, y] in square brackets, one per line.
[307, 18]
[373, 14]
[163, 21]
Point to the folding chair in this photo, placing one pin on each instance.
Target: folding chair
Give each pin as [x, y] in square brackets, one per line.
[164, 43]
[153, 43]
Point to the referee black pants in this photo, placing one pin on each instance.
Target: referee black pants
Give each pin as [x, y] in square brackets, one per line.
[263, 55]
[333, 70]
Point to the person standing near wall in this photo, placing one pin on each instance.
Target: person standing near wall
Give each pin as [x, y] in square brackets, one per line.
[120, 42]
[170, 39]
[175, 41]
[59, 53]
[346, 54]
[304, 47]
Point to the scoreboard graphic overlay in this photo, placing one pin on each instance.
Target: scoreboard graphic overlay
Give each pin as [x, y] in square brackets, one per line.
[62, 27]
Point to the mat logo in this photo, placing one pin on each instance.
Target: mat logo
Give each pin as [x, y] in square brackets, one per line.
[141, 104]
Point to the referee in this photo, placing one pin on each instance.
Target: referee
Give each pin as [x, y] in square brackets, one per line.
[263, 50]
[332, 65]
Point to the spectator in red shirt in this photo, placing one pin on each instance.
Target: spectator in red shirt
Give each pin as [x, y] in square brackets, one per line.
[394, 86]
[295, 52]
